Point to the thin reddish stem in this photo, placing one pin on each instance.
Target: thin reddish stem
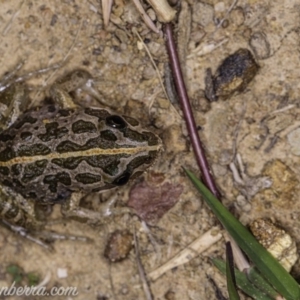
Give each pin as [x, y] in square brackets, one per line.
[187, 112]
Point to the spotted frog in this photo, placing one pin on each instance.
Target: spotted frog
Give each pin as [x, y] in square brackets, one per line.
[60, 152]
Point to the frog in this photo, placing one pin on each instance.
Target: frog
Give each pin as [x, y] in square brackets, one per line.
[60, 151]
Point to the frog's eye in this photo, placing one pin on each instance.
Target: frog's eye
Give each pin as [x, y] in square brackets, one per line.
[115, 121]
[122, 179]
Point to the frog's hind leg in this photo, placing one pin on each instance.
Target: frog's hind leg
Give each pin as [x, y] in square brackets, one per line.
[62, 97]
[38, 237]
[62, 89]
[16, 210]
[23, 232]
[19, 215]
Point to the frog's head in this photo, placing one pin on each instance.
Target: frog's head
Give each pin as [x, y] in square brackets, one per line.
[128, 149]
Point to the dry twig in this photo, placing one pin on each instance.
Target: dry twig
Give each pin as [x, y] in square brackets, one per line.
[145, 17]
[142, 274]
[106, 10]
[188, 253]
[165, 13]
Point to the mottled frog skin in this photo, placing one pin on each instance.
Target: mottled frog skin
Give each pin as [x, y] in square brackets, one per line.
[49, 152]
[60, 152]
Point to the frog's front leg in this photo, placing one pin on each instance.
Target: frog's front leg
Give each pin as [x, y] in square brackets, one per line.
[14, 93]
[13, 101]
[62, 97]
[71, 209]
[75, 82]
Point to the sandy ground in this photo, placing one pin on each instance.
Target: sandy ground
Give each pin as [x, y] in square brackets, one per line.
[260, 124]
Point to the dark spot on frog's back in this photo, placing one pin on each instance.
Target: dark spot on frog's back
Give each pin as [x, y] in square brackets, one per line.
[26, 136]
[14, 184]
[140, 160]
[53, 180]
[27, 118]
[4, 171]
[33, 150]
[70, 163]
[108, 135]
[145, 136]
[93, 143]
[34, 170]
[83, 127]
[16, 169]
[151, 138]
[4, 137]
[88, 178]
[107, 163]
[7, 154]
[101, 114]
[53, 132]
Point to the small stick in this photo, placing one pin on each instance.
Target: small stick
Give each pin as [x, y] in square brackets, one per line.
[165, 13]
[141, 270]
[145, 17]
[192, 250]
[9, 24]
[152, 61]
[106, 10]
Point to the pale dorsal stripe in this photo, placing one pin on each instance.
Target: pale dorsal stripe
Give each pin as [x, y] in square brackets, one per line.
[90, 152]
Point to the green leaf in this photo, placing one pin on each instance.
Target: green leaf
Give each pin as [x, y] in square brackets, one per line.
[255, 278]
[269, 267]
[243, 282]
[16, 272]
[33, 279]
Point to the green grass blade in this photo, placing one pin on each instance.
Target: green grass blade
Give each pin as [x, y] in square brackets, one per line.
[243, 283]
[262, 259]
[255, 278]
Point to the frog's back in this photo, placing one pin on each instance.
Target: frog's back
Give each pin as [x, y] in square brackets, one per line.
[49, 152]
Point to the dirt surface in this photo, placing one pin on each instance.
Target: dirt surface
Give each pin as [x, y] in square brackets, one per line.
[261, 124]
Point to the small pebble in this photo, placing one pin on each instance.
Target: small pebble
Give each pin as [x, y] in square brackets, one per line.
[118, 245]
[277, 241]
[62, 272]
[294, 141]
[233, 75]
[260, 45]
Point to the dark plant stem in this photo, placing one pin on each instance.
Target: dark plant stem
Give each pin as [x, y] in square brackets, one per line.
[187, 112]
[230, 263]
